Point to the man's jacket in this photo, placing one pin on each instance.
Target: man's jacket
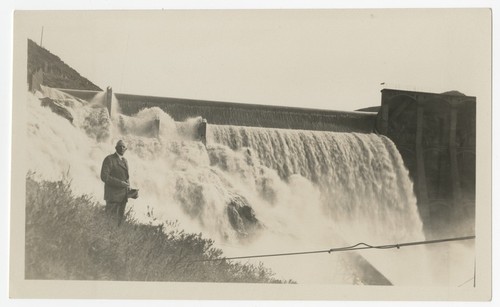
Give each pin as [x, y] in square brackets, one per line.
[114, 173]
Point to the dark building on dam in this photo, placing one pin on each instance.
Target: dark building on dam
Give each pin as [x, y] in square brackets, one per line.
[436, 136]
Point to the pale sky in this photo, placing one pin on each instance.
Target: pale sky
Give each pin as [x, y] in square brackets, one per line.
[331, 59]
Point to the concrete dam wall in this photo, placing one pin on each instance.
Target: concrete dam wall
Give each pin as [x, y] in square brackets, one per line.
[226, 113]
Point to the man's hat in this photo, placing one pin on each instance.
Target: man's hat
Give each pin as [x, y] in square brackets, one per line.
[133, 193]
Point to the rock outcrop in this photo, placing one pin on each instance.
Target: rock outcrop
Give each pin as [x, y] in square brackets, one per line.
[242, 217]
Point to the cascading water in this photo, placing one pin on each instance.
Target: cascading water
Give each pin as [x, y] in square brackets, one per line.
[361, 177]
[354, 185]
[253, 190]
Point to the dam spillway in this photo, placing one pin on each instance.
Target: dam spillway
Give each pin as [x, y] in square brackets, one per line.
[345, 184]
[232, 193]
[252, 115]
[434, 133]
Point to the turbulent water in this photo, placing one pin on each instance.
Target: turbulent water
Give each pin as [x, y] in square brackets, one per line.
[253, 190]
[360, 177]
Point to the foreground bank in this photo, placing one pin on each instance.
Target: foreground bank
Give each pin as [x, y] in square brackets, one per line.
[70, 237]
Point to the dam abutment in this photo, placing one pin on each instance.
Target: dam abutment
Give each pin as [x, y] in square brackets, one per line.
[436, 137]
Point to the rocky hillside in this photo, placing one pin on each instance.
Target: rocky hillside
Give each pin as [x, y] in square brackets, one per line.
[56, 73]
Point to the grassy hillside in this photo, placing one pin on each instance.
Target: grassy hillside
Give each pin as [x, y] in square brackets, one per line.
[70, 237]
[56, 73]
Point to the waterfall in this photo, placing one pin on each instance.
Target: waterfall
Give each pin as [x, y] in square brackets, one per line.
[361, 177]
[253, 190]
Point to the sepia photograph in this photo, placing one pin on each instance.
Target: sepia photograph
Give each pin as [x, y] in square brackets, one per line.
[292, 154]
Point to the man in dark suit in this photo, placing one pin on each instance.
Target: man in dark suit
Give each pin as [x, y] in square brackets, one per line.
[114, 174]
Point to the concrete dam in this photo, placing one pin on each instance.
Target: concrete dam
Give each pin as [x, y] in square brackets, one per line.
[434, 133]
[404, 173]
[252, 115]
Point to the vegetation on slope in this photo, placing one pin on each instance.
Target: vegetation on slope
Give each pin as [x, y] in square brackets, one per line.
[56, 73]
[71, 237]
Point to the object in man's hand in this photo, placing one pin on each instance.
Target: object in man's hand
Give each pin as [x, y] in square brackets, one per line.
[133, 193]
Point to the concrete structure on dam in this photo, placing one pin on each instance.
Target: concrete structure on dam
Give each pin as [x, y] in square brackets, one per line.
[241, 114]
[436, 136]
